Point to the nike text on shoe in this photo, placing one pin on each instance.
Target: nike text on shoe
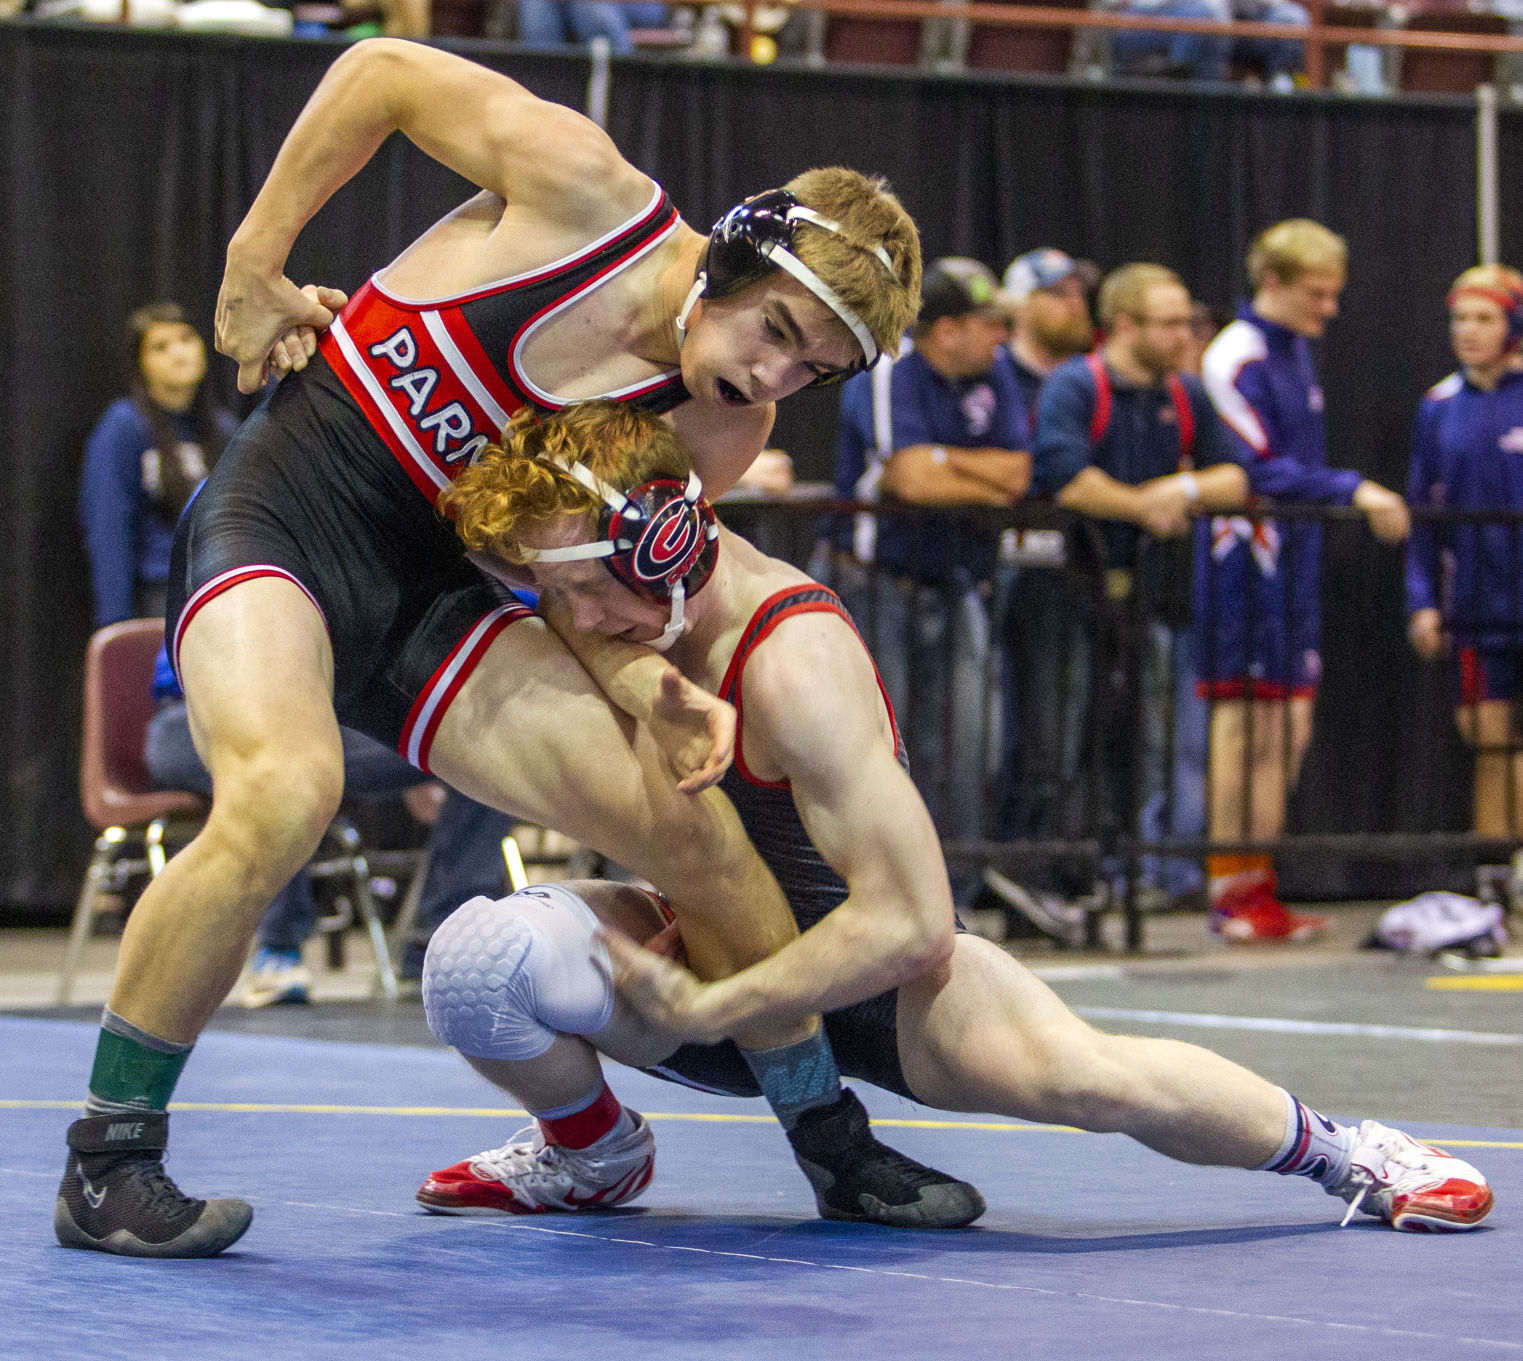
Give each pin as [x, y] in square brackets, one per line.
[857, 1178]
[527, 1176]
[1410, 1185]
[116, 1196]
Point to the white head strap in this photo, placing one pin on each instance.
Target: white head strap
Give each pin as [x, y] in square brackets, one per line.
[791, 264]
[606, 548]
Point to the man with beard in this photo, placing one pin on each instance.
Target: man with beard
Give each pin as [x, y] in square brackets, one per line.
[1047, 294]
[1123, 437]
[1047, 300]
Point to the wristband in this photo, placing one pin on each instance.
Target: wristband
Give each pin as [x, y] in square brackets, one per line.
[1190, 486]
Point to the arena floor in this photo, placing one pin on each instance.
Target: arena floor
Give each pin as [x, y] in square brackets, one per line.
[326, 1118]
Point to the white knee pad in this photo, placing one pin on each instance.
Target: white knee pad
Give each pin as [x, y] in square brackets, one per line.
[502, 977]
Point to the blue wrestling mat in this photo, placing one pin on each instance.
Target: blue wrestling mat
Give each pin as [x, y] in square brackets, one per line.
[1092, 1248]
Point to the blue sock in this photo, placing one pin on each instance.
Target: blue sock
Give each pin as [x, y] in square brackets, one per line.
[796, 1077]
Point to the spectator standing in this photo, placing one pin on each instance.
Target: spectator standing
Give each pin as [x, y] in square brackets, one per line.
[143, 460]
[1044, 640]
[942, 427]
[1047, 293]
[1465, 580]
[1123, 437]
[1258, 585]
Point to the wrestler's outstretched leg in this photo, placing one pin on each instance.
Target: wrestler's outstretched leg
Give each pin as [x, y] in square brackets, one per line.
[986, 1035]
[521, 987]
[258, 672]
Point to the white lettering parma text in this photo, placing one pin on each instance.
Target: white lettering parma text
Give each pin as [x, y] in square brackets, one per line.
[447, 427]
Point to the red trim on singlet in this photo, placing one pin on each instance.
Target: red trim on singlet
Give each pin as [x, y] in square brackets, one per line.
[432, 702]
[225, 581]
[474, 354]
[565, 300]
[754, 636]
[1240, 689]
[437, 411]
[538, 275]
[1472, 677]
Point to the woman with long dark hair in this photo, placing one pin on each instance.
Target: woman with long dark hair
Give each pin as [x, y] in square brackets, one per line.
[144, 460]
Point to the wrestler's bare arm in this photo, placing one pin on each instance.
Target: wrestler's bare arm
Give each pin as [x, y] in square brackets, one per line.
[865, 818]
[694, 729]
[555, 170]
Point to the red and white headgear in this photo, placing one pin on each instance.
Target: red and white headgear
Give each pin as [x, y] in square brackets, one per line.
[659, 539]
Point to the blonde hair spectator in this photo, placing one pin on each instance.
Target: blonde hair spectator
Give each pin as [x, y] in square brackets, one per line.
[1292, 248]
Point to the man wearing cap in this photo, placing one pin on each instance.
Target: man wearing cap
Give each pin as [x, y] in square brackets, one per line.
[1123, 437]
[1046, 670]
[1047, 292]
[944, 426]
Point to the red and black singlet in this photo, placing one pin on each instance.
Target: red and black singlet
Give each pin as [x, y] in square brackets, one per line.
[766, 808]
[437, 379]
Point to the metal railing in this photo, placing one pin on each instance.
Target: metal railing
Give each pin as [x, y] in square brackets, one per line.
[1317, 36]
[1080, 733]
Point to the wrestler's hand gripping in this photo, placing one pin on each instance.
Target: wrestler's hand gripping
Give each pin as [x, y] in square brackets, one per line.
[695, 731]
[665, 994]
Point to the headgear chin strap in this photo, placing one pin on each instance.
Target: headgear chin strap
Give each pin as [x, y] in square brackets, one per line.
[660, 539]
[756, 237]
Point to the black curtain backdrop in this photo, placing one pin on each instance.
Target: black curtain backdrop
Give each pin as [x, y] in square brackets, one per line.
[131, 157]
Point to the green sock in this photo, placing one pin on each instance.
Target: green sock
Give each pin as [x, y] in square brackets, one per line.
[133, 1069]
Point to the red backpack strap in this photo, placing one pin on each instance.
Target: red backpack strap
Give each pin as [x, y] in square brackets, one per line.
[1102, 416]
[1186, 416]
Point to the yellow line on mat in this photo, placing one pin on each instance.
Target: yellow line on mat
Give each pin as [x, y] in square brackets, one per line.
[696, 1117]
[693, 1117]
[1477, 982]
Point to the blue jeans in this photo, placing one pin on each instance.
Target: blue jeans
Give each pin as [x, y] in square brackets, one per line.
[1203, 55]
[931, 646]
[464, 856]
[1046, 700]
[1278, 56]
[549, 23]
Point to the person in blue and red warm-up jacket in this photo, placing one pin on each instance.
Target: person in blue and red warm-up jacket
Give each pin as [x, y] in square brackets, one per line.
[1258, 583]
[1465, 580]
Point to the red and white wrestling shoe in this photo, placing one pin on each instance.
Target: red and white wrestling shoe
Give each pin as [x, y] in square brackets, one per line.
[531, 1177]
[1258, 915]
[1410, 1185]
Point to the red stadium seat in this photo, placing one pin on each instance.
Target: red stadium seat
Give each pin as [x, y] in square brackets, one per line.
[1008, 48]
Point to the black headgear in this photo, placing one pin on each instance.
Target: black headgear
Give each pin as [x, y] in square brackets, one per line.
[756, 237]
[660, 540]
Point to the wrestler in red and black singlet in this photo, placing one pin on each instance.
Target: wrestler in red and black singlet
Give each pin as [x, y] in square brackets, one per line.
[331, 482]
[864, 1037]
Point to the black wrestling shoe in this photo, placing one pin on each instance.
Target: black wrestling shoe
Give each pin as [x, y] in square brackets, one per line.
[856, 1177]
[116, 1196]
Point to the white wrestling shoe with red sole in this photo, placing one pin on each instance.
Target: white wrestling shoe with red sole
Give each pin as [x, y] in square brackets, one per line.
[531, 1177]
[1410, 1185]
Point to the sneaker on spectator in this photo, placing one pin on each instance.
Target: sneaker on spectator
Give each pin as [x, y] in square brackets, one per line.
[1051, 915]
[1410, 1185]
[1259, 916]
[277, 976]
[530, 1176]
